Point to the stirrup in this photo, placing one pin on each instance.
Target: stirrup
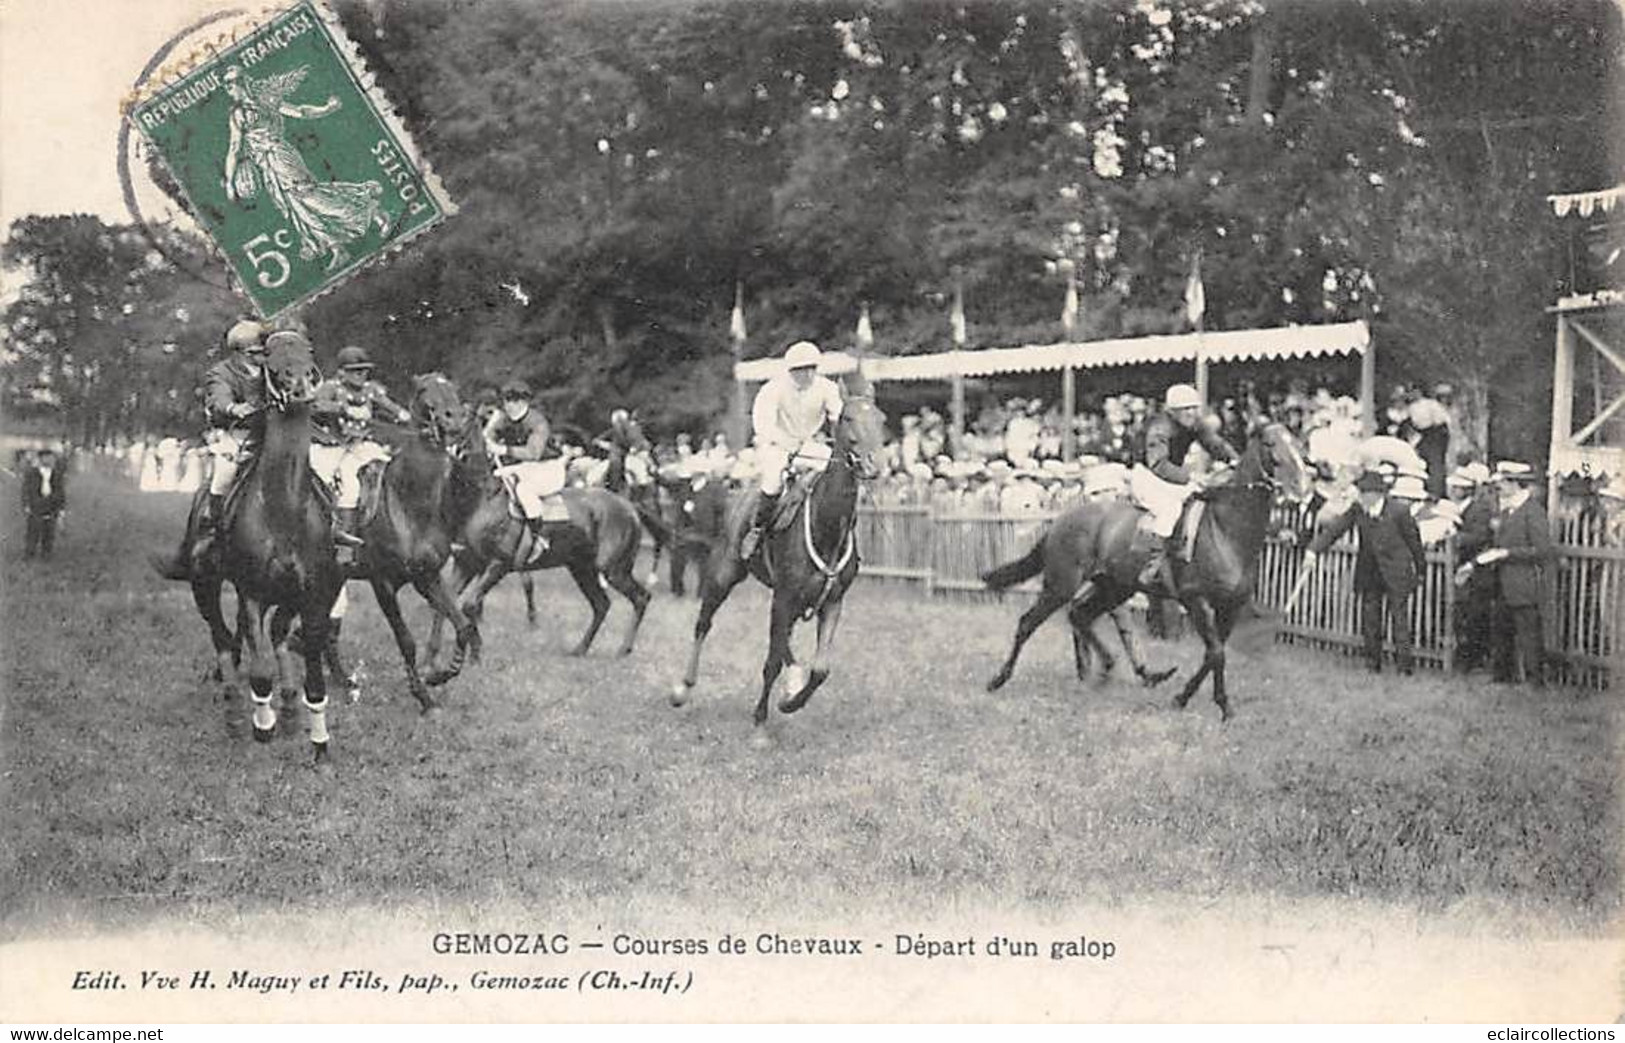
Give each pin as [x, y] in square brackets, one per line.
[347, 539]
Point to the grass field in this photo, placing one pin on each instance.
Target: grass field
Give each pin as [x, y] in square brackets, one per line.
[902, 786]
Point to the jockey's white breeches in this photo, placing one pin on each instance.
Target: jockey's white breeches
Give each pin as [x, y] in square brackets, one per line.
[774, 460]
[1164, 500]
[340, 467]
[226, 447]
[532, 481]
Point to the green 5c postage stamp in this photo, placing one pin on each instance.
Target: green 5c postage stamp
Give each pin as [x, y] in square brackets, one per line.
[289, 157]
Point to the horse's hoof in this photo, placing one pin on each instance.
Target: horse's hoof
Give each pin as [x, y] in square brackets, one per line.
[996, 683]
[438, 678]
[577, 652]
[264, 734]
[1153, 678]
[679, 694]
[1179, 702]
[429, 710]
[319, 759]
[760, 739]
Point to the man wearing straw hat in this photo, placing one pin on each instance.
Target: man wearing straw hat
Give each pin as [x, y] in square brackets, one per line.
[1387, 568]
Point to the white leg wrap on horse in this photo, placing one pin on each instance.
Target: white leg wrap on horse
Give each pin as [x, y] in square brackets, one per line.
[264, 716]
[318, 720]
[341, 605]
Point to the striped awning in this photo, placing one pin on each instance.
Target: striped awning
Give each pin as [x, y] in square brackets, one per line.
[1292, 342]
[1587, 203]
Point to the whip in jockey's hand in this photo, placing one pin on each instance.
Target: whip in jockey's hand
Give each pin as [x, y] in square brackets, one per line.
[789, 411]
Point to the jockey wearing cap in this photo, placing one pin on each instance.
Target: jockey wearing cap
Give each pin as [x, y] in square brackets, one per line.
[786, 418]
[521, 440]
[623, 441]
[1160, 482]
[233, 393]
[341, 437]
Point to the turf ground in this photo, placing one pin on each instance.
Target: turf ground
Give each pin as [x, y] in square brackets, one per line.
[901, 786]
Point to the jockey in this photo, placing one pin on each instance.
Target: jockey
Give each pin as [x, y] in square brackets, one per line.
[520, 439]
[1160, 482]
[233, 396]
[621, 441]
[788, 414]
[341, 435]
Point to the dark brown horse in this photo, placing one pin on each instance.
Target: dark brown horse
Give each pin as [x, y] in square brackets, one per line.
[425, 496]
[1090, 565]
[274, 545]
[809, 564]
[598, 545]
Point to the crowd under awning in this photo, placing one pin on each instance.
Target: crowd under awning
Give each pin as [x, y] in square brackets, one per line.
[1201, 349]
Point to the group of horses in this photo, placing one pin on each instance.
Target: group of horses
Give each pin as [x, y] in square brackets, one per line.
[439, 519]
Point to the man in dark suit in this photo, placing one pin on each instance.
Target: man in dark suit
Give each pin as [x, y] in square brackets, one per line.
[1519, 553]
[44, 497]
[1472, 486]
[1387, 569]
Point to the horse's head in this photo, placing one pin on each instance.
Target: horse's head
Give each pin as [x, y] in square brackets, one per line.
[290, 372]
[1279, 463]
[861, 432]
[437, 409]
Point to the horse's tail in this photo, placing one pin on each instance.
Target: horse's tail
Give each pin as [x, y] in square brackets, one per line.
[1022, 569]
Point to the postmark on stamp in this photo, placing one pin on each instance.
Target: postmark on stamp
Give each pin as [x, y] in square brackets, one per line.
[289, 158]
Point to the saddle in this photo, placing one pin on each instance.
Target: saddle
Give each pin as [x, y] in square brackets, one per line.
[553, 508]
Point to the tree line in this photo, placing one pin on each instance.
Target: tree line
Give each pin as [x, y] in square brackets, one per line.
[622, 168]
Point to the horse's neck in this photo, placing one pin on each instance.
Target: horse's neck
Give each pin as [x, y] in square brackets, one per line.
[1242, 513]
[284, 463]
[833, 500]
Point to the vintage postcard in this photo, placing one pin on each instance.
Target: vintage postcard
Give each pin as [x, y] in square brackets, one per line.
[877, 510]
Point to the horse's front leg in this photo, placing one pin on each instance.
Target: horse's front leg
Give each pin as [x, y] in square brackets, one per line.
[251, 630]
[528, 582]
[783, 619]
[384, 590]
[282, 619]
[468, 604]
[1201, 615]
[829, 618]
[715, 586]
[313, 618]
[431, 586]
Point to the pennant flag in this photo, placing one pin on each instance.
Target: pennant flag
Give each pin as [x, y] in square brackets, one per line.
[1195, 295]
[736, 324]
[866, 332]
[1069, 310]
[957, 318]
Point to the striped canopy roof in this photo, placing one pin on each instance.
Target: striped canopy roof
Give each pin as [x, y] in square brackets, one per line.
[1292, 342]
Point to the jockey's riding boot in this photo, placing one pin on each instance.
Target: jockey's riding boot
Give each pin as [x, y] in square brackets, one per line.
[344, 526]
[537, 529]
[345, 539]
[208, 523]
[1158, 571]
[765, 507]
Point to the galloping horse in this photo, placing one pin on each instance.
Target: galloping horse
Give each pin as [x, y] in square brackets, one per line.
[1089, 563]
[809, 564]
[425, 496]
[274, 544]
[598, 545]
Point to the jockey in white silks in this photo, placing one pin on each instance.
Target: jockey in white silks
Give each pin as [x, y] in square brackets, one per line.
[520, 438]
[786, 420]
[342, 440]
[1160, 482]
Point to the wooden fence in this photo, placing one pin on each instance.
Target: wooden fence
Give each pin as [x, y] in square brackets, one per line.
[944, 555]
